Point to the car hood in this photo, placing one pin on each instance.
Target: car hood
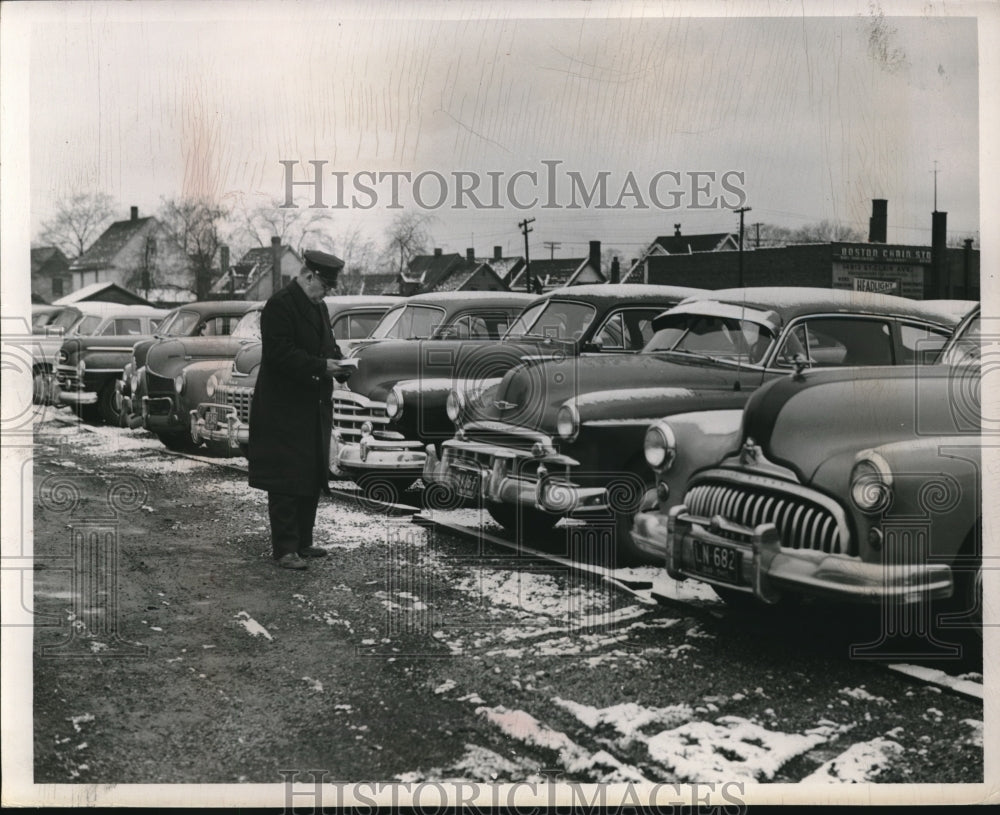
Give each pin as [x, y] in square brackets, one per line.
[248, 358]
[168, 356]
[531, 395]
[383, 364]
[858, 408]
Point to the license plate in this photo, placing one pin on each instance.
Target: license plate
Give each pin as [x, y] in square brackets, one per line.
[721, 562]
[211, 419]
[467, 483]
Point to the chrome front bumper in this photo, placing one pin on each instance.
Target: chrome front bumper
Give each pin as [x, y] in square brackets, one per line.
[766, 569]
[385, 457]
[500, 482]
[220, 423]
[77, 397]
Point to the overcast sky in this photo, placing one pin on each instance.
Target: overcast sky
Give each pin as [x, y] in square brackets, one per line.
[819, 115]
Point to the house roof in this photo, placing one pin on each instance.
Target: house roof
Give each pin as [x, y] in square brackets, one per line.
[428, 269]
[381, 283]
[459, 275]
[106, 291]
[686, 244]
[551, 273]
[40, 255]
[105, 249]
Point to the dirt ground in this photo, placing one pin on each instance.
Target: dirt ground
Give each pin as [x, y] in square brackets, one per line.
[170, 649]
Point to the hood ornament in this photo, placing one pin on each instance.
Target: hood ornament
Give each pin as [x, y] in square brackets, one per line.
[749, 453]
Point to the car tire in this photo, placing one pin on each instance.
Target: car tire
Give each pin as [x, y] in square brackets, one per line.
[42, 388]
[514, 518]
[178, 442]
[964, 609]
[106, 407]
[220, 449]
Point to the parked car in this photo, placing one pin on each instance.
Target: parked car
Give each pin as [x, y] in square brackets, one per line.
[49, 329]
[171, 369]
[565, 438]
[679, 445]
[207, 322]
[396, 402]
[223, 416]
[91, 357]
[879, 501]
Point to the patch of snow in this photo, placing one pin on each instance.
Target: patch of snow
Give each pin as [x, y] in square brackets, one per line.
[524, 727]
[253, 627]
[314, 684]
[938, 677]
[629, 717]
[858, 764]
[862, 695]
[732, 748]
[976, 737]
[445, 686]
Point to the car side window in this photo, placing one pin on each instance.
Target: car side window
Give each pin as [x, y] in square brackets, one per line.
[836, 341]
[123, 327]
[612, 334]
[920, 343]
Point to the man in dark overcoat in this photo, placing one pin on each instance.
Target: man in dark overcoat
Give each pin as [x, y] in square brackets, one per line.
[291, 414]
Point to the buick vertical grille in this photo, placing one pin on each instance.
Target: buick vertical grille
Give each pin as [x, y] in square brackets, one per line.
[801, 523]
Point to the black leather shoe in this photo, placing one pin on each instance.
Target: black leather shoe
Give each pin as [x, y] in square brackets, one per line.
[292, 561]
[313, 551]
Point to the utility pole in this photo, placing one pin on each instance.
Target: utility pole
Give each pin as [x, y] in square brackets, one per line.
[935, 172]
[757, 227]
[527, 263]
[742, 211]
[552, 245]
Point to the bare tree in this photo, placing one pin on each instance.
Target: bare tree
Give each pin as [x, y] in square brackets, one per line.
[359, 256]
[407, 235]
[194, 225]
[826, 231]
[77, 222]
[296, 227]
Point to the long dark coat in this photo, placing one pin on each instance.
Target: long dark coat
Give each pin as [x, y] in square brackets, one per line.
[291, 415]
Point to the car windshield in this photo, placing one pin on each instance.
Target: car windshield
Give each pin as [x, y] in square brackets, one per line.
[721, 338]
[87, 325]
[179, 324]
[64, 320]
[409, 322]
[966, 348]
[556, 319]
[248, 328]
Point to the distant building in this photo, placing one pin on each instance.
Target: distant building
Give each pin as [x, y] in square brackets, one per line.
[451, 272]
[138, 254]
[678, 244]
[919, 272]
[102, 293]
[50, 275]
[554, 273]
[252, 277]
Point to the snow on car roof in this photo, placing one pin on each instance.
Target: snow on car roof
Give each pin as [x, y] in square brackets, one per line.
[220, 306]
[485, 297]
[623, 291]
[791, 301]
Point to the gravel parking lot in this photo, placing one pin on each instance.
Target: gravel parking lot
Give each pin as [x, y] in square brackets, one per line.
[169, 649]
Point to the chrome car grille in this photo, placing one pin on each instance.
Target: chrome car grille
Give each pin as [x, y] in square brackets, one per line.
[237, 397]
[801, 523]
[67, 378]
[349, 415]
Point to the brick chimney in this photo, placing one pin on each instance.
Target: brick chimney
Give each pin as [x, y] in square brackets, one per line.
[470, 254]
[877, 224]
[936, 283]
[497, 253]
[437, 253]
[595, 255]
[677, 230]
[616, 274]
[134, 214]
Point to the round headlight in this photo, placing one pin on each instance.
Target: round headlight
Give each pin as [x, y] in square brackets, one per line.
[211, 385]
[394, 404]
[660, 446]
[871, 482]
[61, 357]
[454, 405]
[568, 421]
[179, 383]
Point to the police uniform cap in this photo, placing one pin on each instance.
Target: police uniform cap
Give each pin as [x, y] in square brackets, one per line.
[323, 265]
